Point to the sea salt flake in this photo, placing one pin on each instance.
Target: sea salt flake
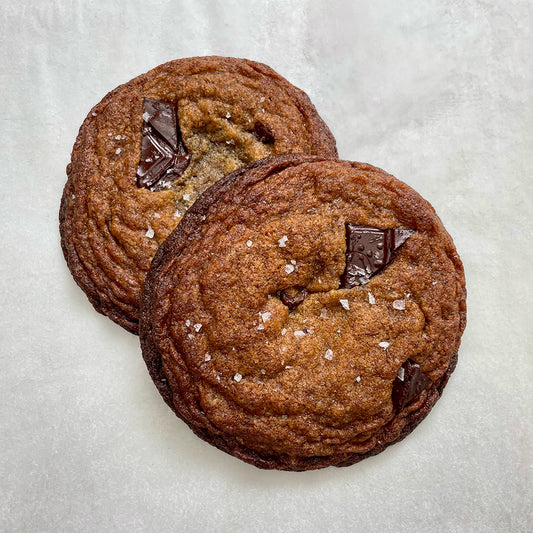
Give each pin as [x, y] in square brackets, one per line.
[299, 333]
[261, 326]
[384, 344]
[263, 371]
[371, 299]
[266, 316]
[401, 373]
[283, 331]
[228, 115]
[249, 243]
[399, 305]
[293, 261]
[345, 304]
[262, 99]
[329, 354]
[237, 377]
[146, 116]
[150, 232]
[358, 379]
[207, 357]
[118, 137]
[289, 269]
[186, 197]
[434, 282]
[93, 114]
[288, 367]
[117, 151]
[282, 241]
[197, 327]
[190, 336]
[188, 323]
[323, 313]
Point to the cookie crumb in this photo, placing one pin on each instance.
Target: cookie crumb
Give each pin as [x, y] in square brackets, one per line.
[237, 377]
[289, 269]
[282, 241]
[323, 313]
[371, 299]
[329, 354]
[399, 305]
[384, 344]
[150, 232]
[345, 304]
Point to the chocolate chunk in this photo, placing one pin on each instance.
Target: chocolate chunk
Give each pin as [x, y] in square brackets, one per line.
[409, 383]
[164, 157]
[368, 250]
[262, 133]
[293, 296]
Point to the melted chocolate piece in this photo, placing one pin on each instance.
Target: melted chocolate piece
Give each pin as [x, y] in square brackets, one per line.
[164, 157]
[293, 296]
[368, 250]
[262, 133]
[409, 383]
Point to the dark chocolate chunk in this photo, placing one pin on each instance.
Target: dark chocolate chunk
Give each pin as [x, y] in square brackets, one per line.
[368, 250]
[293, 296]
[262, 133]
[164, 157]
[409, 383]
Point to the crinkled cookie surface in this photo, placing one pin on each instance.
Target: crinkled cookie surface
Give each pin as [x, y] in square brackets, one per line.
[252, 342]
[230, 112]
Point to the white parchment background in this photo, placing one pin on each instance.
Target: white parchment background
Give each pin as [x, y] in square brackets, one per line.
[437, 93]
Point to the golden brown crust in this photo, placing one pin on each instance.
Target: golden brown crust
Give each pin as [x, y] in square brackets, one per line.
[106, 221]
[252, 378]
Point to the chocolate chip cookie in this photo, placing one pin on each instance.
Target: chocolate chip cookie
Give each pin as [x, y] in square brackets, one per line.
[306, 312]
[151, 146]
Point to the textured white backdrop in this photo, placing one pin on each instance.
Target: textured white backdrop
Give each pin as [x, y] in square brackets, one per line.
[437, 93]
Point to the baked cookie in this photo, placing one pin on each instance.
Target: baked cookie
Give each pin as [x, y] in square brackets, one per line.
[306, 312]
[151, 146]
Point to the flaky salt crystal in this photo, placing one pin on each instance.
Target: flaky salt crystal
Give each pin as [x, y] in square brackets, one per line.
[146, 116]
[188, 323]
[401, 373]
[371, 299]
[249, 243]
[299, 333]
[118, 137]
[293, 261]
[283, 331]
[384, 344]
[197, 327]
[289, 269]
[399, 305]
[228, 115]
[261, 326]
[117, 151]
[265, 316]
[207, 357]
[358, 379]
[323, 313]
[150, 232]
[237, 377]
[186, 197]
[329, 354]
[282, 241]
[345, 304]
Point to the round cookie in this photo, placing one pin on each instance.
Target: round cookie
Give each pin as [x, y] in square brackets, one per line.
[305, 313]
[151, 146]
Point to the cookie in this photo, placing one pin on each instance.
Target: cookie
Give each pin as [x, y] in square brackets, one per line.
[151, 146]
[306, 312]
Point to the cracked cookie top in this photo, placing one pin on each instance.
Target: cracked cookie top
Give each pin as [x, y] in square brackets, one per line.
[306, 312]
[151, 146]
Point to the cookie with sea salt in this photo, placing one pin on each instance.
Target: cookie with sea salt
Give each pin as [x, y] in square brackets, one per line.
[151, 146]
[306, 312]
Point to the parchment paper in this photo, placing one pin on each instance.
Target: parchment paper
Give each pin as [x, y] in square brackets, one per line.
[436, 92]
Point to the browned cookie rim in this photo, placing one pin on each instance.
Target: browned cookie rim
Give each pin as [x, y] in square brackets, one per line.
[187, 230]
[105, 301]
